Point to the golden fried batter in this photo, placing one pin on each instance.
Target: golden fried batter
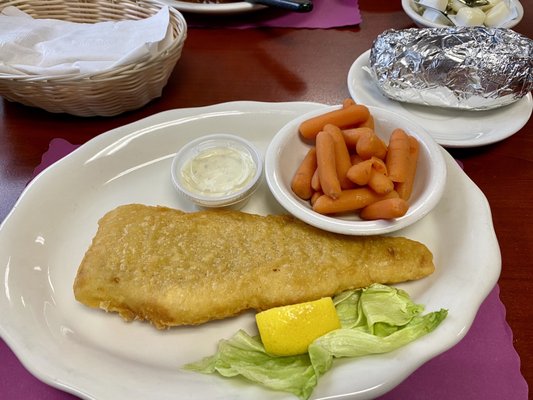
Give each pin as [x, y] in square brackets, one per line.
[175, 268]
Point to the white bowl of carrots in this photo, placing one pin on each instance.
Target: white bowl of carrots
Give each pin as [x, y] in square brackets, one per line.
[355, 169]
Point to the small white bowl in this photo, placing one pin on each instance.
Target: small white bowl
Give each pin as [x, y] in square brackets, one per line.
[233, 171]
[287, 150]
[409, 8]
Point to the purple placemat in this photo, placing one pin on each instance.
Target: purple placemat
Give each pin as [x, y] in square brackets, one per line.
[325, 14]
[483, 366]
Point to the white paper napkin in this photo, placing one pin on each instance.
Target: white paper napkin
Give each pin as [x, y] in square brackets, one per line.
[55, 47]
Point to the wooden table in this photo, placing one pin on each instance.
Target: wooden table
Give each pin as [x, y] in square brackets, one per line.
[220, 65]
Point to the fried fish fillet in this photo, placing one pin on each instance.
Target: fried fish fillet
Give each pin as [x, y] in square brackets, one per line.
[174, 268]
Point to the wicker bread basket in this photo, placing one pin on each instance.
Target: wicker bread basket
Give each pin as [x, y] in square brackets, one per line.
[101, 94]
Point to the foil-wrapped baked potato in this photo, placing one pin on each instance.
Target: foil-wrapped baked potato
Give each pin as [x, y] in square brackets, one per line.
[475, 68]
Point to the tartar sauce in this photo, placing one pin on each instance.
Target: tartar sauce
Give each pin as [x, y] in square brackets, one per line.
[218, 171]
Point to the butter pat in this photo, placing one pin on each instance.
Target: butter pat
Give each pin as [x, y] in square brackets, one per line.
[456, 5]
[498, 15]
[435, 4]
[467, 16]
[435, 16]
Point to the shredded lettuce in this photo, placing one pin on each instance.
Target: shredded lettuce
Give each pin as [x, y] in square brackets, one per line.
[374, 320]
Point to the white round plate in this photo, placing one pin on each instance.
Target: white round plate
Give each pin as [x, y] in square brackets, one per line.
[213, 8]
[287, 150]
[449, 127]
[96, 355]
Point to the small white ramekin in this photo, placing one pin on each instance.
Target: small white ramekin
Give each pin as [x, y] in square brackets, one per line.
[235, 199]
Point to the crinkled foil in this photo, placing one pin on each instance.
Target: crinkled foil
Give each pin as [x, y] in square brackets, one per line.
[473, 68]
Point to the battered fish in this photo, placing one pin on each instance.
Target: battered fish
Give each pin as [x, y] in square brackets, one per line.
[174, 268]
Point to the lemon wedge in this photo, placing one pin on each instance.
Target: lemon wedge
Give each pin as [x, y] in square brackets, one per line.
[289, 330]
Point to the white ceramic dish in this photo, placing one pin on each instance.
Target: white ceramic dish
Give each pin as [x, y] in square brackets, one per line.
[287, 149]
[422, 22]
[213, 8]
[450, 128]
[98, 356]
[244, 171]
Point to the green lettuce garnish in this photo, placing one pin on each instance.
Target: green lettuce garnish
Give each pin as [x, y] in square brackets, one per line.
[374, 320]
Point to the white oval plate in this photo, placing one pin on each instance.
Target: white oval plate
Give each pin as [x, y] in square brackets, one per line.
[213, 8]
[450, 128]
[96, 355]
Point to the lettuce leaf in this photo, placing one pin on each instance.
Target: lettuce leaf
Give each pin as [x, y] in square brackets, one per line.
[374, 320]
[245, 355]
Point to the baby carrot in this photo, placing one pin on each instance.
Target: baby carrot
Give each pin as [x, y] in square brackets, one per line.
[360, 173]
[397, 160]
[342, 155]
[379, 165]
[405, 188]
[348, 102]
[355, 158]
[349, 200]
[326, 165]
[301, 181]
[315, 181]
[343, 118]
[370, 145]
[315, 196]
[361, 170]
[352, 135]
[368, 123]
[385, 209]
[379, 182]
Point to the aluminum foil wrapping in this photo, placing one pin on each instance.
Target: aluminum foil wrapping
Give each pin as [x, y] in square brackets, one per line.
[475, 68]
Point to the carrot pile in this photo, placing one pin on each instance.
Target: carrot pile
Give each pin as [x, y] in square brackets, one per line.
[350, 168]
